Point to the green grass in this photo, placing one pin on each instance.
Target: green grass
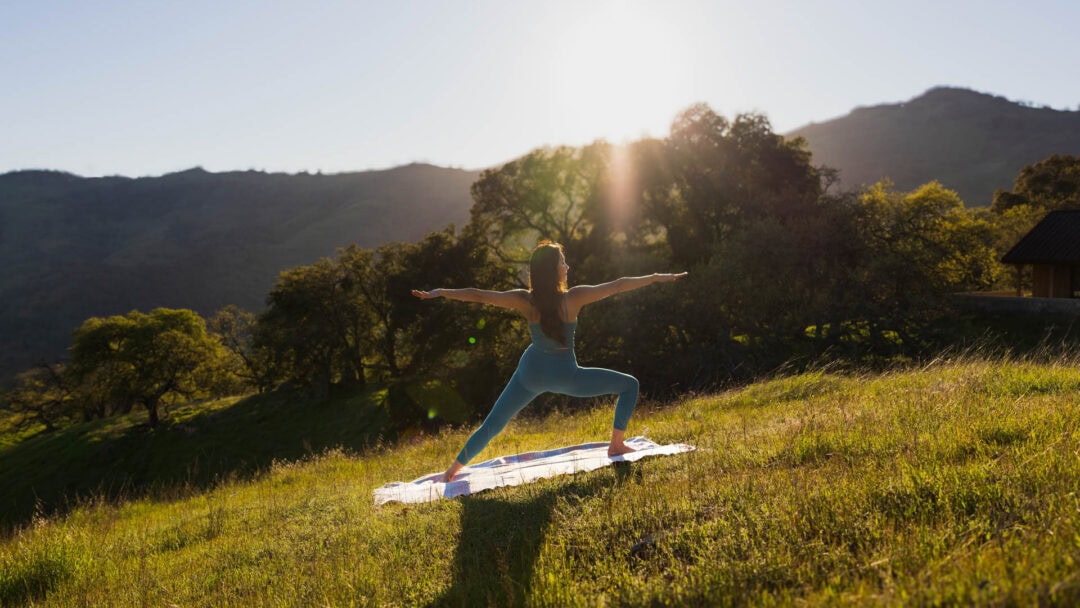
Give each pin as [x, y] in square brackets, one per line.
[193, 449]
[958, 483]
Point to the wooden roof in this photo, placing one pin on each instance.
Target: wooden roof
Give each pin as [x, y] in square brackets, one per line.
[1054, 240]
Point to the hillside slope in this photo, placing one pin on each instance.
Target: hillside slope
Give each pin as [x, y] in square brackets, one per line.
[971, 142]
[953, 484]
[73, 247]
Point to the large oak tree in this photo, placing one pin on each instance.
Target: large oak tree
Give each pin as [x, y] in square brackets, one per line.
[146, 358]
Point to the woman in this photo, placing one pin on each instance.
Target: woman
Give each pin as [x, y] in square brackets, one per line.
[549, 363]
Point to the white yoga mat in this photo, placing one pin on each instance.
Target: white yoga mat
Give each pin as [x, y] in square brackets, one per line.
[520, 469]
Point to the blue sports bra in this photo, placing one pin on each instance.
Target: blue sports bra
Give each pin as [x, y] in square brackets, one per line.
[546, 344]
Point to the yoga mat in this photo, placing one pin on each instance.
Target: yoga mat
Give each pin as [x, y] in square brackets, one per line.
[518, 469]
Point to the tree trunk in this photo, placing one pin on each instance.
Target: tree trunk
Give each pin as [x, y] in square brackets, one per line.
[152, 410]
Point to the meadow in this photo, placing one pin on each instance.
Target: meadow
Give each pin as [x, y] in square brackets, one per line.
[952, 483]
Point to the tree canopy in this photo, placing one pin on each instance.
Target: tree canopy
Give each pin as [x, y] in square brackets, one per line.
[1048, 185]
[145, 358]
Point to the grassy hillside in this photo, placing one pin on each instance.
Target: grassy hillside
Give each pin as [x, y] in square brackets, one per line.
[196, 446]
[957, 483]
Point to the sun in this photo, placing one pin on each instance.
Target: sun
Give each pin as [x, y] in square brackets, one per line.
[621, 72]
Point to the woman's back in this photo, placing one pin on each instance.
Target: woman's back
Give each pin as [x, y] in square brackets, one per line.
[546, 342]
[549, 345]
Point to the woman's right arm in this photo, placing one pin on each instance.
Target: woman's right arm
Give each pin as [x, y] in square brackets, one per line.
[514, 299]
[587, 294]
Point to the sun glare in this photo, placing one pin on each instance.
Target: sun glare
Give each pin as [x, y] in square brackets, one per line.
[622, 186]
[621, 72]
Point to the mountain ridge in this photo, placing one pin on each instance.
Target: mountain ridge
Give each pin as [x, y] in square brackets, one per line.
[970, 141]
[74, 247]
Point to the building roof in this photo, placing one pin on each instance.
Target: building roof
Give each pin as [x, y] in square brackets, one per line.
[1054, 240]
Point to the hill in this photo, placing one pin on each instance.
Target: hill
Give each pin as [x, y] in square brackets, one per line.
[74, 247]
[971, 142]
[952, 484]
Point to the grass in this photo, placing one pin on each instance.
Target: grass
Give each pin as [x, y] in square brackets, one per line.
[958, 483]
[193, 449]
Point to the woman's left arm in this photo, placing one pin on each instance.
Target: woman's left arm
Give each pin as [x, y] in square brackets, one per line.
[587, 294]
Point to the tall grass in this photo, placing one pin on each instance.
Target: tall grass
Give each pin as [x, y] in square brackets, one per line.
[957, 483]
[194, 448]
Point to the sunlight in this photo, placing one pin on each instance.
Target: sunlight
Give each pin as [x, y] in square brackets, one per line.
[621, 187]
[621, 73]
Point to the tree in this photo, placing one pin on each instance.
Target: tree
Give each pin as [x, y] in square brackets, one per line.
[553, 193]
[41, 396]
[724, 173]
[1048, 185]
[917, 247]
[366, 274]
[354, 317]
[449, 359]
[744, 211]
[146, 358]
[250, 361]
[309, 323]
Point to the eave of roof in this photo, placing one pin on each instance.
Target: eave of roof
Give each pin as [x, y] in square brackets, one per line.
[1054, 240]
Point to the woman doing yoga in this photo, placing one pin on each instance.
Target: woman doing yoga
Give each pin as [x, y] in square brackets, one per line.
[549, 363]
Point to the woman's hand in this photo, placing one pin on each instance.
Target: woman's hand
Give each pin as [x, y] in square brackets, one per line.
[669, 277]
[426, 295]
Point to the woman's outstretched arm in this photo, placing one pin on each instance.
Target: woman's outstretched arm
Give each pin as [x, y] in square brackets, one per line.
[587, 294]
[515, 299]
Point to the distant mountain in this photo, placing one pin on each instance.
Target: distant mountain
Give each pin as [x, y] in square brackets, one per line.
[971, 142]
[74, 247]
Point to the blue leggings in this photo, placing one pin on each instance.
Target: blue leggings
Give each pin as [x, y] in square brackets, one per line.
[540, 372]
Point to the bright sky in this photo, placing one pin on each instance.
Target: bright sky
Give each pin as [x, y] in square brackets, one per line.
[146, 87]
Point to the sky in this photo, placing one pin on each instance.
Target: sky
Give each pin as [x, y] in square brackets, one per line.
[148, 87]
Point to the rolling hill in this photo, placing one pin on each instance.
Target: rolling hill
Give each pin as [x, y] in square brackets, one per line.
[971, 142]
[74, 247]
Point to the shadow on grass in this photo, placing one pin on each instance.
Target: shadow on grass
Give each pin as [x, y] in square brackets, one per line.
[501, 539]
[191, 450]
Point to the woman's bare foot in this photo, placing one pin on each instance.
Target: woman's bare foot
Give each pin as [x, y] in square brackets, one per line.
[617, 447]
[448, 476]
